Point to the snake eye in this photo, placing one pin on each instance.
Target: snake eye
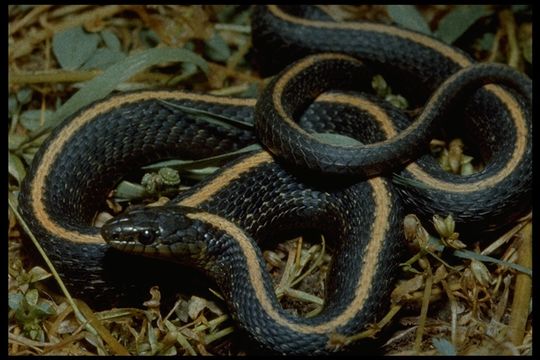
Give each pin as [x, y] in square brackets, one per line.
[146, 237]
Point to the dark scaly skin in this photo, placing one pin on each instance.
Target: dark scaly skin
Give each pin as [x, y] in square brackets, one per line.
[383, 52]
[284, 140]
[114, 144]
[414, 71]
[263, 202]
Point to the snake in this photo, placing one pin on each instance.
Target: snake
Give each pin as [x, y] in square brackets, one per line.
[297, 181]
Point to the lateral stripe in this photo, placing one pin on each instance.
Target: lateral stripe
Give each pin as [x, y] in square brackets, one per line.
[90, 114]
[383, 206]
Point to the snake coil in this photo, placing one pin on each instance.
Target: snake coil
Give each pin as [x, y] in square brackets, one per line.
[217, 225]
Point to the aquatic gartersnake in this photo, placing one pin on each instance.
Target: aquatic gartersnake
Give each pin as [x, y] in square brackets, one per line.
[216, 224]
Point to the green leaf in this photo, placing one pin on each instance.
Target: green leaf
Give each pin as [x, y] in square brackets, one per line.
[13, 105]
[16, 167]
[209, 170]
[38, 273]
[217, 160]
[110, 40]
[15, 300]
[444, 347]
[73, 47]
[456, 22]
[467, 254]
[408, 17]
[129, 190]
[102, 85]
[336, 139]
[34, 331]
[217, 49]
[24, 95]
[43, 309]
[211, 117]
[29, 153]
[32, 297]
[15, 140]
[437, 245]
[486, 41]
[31, 119]
[103, 58]
[200, 174]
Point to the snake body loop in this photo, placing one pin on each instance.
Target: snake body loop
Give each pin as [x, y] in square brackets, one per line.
[218, 224]
[283, 98]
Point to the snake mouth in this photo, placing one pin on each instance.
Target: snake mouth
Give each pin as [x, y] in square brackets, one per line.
[158, 251]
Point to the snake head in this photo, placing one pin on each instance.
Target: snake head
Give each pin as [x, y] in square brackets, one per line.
[162, 231]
